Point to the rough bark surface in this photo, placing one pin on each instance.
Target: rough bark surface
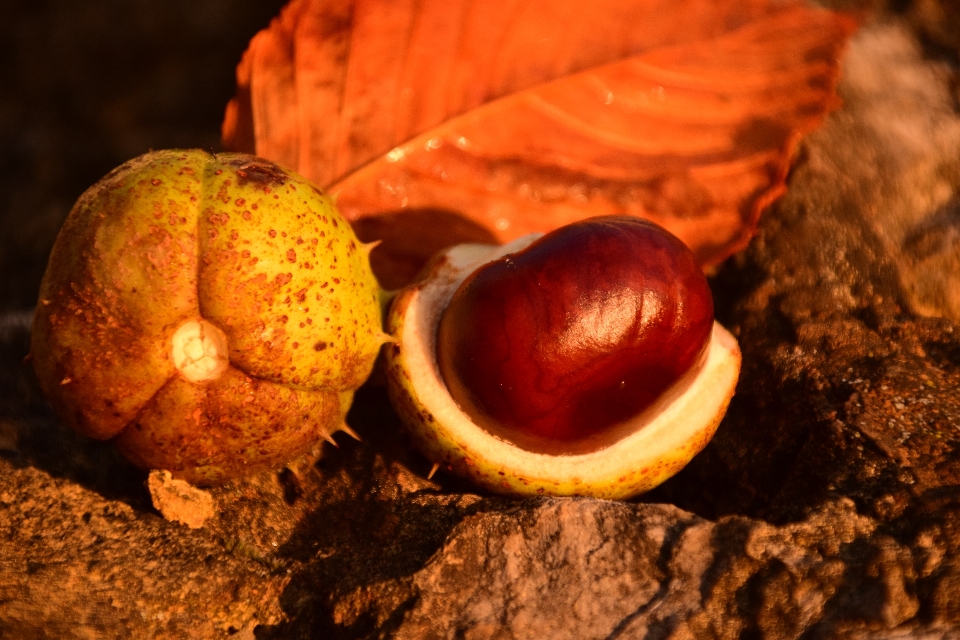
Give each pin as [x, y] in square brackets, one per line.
[828, 504]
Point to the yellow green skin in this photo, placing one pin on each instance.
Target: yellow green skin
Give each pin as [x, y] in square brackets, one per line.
[682, 429]
[254, 249]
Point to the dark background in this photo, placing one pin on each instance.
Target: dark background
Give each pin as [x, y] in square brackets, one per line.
[86, 85]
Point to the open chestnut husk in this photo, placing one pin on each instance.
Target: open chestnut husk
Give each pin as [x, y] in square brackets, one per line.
[583, 362]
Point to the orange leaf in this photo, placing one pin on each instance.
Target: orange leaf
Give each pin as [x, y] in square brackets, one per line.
[436, 123]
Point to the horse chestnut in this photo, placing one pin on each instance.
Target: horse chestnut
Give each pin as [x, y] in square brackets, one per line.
[583, 362]
[554, 346]
[211, 314]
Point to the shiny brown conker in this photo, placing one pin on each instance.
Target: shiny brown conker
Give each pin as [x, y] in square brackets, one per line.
[554, 347]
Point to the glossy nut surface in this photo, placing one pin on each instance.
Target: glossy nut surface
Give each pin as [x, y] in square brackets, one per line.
[556, 346]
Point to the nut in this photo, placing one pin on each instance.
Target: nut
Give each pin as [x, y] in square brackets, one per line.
[583, 363]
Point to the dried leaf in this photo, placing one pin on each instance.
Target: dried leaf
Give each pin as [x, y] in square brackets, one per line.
[436, 123]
